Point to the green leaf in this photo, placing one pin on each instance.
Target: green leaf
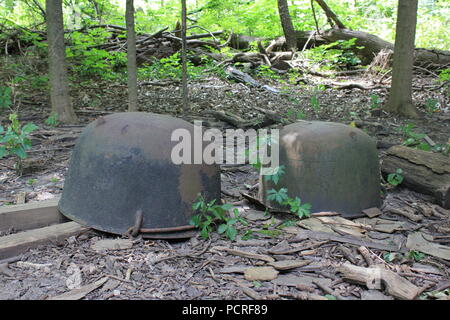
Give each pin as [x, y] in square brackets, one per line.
[227, 206]
[29, 127]
[3, 152]
[204, 233]
[231, 233]
[222, 228]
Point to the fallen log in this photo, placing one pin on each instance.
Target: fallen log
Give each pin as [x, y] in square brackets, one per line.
[373, 45]
[424, 172]
[375, 277]
[236, 121]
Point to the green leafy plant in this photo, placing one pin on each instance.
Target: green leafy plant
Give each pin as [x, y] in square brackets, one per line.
[339, 54]
[396, 178]
[212, 216]
[432, 105]
[414, 139]
[375, 101]
[52, 120]
[315, 104]
[302, 210]
[279, 196]
[415, 255]
[5, 97]
[389, 256]
[444, 75]
[266, 72]
[15, 140]
[31, 181]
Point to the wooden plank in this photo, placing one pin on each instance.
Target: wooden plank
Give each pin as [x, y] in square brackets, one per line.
[18, 243]
[30, 215]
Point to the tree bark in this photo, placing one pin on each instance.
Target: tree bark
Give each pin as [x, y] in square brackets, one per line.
[131, 58]
[400, 97]
[424, 172]
[59, 85]
[286, 23]
[332, 17]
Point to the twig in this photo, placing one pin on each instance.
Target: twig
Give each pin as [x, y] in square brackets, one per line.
[327, 290]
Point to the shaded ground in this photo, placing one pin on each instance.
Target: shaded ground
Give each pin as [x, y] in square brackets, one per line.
[199, 269]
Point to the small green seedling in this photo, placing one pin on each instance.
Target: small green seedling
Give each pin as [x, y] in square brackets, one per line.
[389, 256]
[212, 216]
[15, 141]
[52, 120]
[375, 101]
[415, 255]
[31, 181]
[5, 97]
[54, 180]
[396, 178]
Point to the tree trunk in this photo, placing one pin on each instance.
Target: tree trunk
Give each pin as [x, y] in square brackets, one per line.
[286, 23]
[59, 86]
[185, 96]
[131, 56]
[331, 16]
[400, 97]
[424, 172]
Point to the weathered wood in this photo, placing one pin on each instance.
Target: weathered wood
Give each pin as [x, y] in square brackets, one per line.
[318, 235]
[31, 215]
[18, 243]
[372, 45]
[374, 277]
[417, 241]
[246, 254]
[423, 171]
[79, 293]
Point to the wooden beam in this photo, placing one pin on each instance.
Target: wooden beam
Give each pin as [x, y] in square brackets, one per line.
[15, 244]
[31, 215]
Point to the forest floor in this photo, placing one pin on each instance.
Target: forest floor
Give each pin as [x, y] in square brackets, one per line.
[207, 269]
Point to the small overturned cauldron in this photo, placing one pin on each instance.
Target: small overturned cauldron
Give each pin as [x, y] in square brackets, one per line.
[332, 166]
[121, 178]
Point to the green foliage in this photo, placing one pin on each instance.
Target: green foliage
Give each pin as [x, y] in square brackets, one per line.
[315, 104]
[279, 196]
[415, 255]
[336, 55]
[414, 139]
[15, 140]
[212, 216]
[31, 181]
[296, 207]
[52, 120]
[5, 97]
[276, 176]
[295, 115]
[432, 105]
[89, 62]
[444, 75]
[170, 68]
[265, 72]
[396, 178]
[375, 101]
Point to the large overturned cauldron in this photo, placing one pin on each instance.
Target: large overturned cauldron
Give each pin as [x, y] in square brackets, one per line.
[332, 166]
[121, 178]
